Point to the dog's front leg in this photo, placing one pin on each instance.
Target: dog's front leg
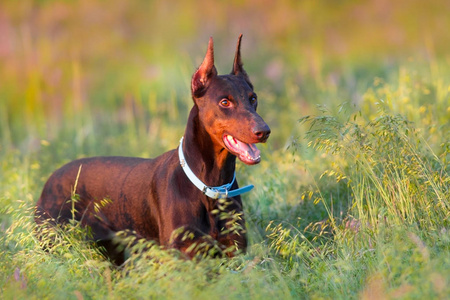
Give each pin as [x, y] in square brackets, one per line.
[233, 237]
[194, 242]
[230, 223]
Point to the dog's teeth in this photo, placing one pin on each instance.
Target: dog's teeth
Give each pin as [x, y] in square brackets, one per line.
[253, 158]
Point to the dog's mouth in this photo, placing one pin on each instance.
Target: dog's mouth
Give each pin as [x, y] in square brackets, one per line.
[247, 153]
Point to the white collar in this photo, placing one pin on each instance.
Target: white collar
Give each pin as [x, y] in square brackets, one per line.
[217, 192]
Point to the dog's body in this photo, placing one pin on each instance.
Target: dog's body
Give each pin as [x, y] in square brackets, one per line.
[153, 197]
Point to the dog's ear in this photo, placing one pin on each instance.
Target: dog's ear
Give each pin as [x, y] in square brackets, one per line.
[238, 66]
[205, 72]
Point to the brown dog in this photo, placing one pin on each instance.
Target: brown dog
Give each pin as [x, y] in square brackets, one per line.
[165, 199]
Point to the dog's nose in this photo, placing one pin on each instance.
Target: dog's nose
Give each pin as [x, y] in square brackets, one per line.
[262, 132]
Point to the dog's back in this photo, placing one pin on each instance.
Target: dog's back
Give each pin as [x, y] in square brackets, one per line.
[82, 190]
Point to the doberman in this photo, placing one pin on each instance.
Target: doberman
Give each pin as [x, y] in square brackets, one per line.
[166, 199]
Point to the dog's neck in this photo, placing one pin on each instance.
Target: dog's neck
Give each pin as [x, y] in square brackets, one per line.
[209, 161]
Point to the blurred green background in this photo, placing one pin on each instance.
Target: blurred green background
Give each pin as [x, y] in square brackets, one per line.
[81, 69]
[350, 202]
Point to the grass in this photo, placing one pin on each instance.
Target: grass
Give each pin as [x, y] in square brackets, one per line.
[351, 197]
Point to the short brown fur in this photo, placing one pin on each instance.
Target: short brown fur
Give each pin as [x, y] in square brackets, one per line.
[153, 197]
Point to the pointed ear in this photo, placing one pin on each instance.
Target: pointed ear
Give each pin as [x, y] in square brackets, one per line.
[205, 72]
[238, 68]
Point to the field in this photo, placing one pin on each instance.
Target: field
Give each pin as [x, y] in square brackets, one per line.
[352, 194]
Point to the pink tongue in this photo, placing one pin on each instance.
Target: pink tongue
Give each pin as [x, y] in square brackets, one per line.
[251, 149]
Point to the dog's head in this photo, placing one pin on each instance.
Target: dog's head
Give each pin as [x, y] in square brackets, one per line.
[227, 107]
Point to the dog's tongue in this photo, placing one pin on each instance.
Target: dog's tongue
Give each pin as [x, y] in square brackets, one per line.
[247, 152]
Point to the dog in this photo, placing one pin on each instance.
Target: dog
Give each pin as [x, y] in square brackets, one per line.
[187, 198]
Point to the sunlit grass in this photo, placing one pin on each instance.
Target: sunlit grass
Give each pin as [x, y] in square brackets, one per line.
[350, 202]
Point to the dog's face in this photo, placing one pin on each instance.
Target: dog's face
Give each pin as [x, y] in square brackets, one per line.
[227, 108]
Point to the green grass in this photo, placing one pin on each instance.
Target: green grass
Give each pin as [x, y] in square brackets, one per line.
[352, 194]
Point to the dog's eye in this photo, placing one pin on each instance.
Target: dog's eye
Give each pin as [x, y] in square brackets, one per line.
[225, 102]
[252, 99]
